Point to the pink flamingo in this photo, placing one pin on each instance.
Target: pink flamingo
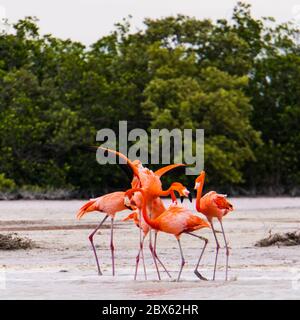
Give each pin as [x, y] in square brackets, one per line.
[175, 220]
[213, 205]
[157, 209]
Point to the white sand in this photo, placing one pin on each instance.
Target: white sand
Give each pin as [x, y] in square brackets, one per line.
[64, 267]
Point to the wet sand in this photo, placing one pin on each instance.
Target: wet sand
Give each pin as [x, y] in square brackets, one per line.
[63, 266]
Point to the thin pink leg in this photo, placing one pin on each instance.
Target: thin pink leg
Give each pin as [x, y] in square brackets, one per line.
[217, 249]
[182, 260]
[112, 248]
[153, 255]
[227, 250]
[91, 236]
[196, 271]
[141, 251]
[151, 246]
[156, 256]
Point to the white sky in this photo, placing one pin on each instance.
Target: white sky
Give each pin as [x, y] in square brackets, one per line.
[88, 20]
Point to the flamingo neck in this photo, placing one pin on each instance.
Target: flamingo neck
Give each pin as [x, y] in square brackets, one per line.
[198, 198]
[147, 219]
[165, 193]
[170, 192]
[173, 197]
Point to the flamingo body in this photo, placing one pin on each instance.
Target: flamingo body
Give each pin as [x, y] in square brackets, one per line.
[177, 219]
[110, 204]
[214, 205]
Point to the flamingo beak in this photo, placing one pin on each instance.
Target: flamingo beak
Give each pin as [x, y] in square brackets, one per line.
[181, 198]
[197, 185]
[188, 194]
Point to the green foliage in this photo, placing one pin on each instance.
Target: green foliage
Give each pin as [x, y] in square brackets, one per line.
[215, 102]
[238, 80]
[6, 184]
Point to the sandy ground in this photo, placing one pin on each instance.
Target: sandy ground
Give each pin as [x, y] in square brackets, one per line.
[63, 266]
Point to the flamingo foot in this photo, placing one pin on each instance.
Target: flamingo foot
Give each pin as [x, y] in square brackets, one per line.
[199, 275]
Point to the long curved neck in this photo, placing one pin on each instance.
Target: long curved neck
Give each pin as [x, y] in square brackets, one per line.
[149, 221]
[165, 193]
[170, 192]
[199, 194]
[173, 197]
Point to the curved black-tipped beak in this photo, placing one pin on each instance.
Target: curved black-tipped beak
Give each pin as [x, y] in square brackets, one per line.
[181, 199]
[128, 207]
[190, 197]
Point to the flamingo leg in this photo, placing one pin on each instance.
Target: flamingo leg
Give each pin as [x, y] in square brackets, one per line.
[141, 251]
[217, 249]
[197, 273]
[112, 248]
[151, 247]
[153, 255]
[149, 207]
[91, 236]
[182, 260]
[143, 258]
[227, 250]
[156, 256]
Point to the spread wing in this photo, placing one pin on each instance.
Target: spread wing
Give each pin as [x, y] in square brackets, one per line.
[160, 172]
[127, 166]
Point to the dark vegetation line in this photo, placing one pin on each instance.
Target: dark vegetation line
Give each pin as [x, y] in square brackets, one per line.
[239, 80]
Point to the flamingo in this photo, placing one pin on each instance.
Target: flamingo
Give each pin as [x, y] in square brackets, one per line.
[146, 179]
[109, 204]
[213, 205]
[175, 220]
[114, 202]
[158, 208]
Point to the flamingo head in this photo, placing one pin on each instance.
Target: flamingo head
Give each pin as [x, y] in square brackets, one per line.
[137, 163]
[182, 190]
[199, 180]
[128, 200]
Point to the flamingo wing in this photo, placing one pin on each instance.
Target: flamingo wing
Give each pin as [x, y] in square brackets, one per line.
[128, 167]
[222, 203]
[87, 207]
[195, 223]
[160, 172]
